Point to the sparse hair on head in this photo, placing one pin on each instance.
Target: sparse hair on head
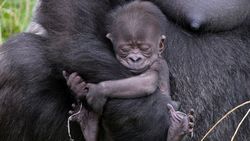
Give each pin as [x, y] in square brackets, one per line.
[136, 13]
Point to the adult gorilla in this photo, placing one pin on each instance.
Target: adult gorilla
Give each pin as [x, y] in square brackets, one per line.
[208, 56]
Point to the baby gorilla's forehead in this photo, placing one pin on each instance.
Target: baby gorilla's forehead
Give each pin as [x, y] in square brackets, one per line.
[139, 32]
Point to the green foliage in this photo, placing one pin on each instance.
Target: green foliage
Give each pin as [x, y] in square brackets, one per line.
[15, 16]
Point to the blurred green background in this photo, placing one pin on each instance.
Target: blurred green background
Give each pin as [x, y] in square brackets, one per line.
[15, 16]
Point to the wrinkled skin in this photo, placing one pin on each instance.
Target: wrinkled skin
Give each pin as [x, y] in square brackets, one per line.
[209, 71]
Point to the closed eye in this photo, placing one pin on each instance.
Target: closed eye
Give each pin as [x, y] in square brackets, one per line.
[125, 48]
[145, 47]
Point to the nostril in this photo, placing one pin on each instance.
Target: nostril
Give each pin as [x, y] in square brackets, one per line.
[135, 59]
[138, 59]
[132, 59]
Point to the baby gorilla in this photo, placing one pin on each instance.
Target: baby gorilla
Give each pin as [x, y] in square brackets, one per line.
[136, 31]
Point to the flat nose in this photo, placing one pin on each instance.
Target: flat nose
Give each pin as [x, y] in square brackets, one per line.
[135, 59]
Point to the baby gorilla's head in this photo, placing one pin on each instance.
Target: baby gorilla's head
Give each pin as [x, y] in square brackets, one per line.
[137, 33]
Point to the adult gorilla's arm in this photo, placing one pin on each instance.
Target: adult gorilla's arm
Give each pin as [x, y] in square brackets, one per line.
[34, 105]
[41, 91]
[220, 58]
[33, 90]
[95, 62]
[92, 59]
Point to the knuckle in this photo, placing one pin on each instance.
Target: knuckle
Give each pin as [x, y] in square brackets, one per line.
[78, 78]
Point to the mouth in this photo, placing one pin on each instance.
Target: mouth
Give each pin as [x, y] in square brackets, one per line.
[135, 67]
[138, 70]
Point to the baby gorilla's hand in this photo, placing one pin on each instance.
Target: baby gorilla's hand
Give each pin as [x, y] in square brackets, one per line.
[76, 84]
[95, 98]
[180, 124]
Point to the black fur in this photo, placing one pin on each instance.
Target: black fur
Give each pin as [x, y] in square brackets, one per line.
[210, 73]
[202, 15]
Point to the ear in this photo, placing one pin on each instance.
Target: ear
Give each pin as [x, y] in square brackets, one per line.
[109, 36]
[162, 45]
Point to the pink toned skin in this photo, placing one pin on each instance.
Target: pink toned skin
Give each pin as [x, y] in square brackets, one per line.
[180, 123]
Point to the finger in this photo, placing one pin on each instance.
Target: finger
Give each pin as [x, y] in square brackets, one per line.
[175, 117]
[83, 85]
[180, 115]
[191, 112]
[76, 81]
[81, 88]
[172, 112]
[65, 75]
[191, 118]
[73, 105]
[191, 131]
[171, 108]
[190, 125]
[185, 120]
[71, 112]
[78, 90]
[71, 78]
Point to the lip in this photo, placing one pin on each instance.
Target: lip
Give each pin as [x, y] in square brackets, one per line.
[140, 70]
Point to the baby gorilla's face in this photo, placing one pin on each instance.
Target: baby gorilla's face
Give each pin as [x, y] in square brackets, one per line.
[137, 47]
[138, 54]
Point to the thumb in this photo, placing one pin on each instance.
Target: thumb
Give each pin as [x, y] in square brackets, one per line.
[65, 74]
[171, 108]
